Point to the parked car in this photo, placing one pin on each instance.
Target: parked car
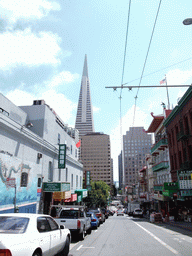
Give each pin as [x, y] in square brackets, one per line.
[94, 220]
[74, 218]
[32, 235]
[105, 212]
[120, 212]
[138, 213]
[98, 214]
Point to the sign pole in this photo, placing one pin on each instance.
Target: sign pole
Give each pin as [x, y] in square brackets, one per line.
[15, 198]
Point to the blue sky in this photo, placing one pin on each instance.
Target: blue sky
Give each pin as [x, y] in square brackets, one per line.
[43, 44]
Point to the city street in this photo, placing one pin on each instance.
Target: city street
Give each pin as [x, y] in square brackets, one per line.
[124, 235]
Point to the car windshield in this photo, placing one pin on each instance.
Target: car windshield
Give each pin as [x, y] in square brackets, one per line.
[69, 214]
[95, 211]
[13, 225]
[138, 210]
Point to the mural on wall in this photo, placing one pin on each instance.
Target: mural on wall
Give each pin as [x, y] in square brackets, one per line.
[25, 177]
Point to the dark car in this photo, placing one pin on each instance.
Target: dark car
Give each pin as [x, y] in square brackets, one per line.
[105, 212]
[94, 220]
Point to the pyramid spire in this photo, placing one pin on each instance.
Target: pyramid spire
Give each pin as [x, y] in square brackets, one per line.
[85, 69]
[84, 119]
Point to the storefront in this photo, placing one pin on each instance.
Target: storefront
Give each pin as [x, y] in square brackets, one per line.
[54, 192]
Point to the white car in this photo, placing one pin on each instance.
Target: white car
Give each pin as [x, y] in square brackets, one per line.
[32, 235]
[120, 212]
[138, 213]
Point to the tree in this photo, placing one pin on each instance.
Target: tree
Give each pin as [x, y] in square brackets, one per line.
[113, 191]
[98, 195]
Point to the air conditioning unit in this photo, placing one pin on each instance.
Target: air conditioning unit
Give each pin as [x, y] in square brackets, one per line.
[39, 155]
[38, 102]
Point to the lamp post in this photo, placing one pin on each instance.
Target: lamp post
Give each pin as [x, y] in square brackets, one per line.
[187, 21]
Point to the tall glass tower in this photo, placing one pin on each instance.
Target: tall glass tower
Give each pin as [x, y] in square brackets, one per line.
[84, 119]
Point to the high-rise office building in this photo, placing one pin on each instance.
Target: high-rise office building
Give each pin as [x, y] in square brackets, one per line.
[84, 119]
[96, 157]
[136, 144]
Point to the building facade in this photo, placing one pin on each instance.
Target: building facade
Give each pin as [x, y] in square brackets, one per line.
[120, 170]
[29, 143]
[96, 157]
[84, 119]
[179, 130]
[160, 160]
[136, 144]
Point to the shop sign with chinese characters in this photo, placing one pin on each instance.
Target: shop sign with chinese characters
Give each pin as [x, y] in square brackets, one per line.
[185, 179]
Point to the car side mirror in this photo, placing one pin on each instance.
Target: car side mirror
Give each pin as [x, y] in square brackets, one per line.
[62, 227]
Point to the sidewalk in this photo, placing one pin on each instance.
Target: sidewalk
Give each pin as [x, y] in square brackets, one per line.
[180, 224]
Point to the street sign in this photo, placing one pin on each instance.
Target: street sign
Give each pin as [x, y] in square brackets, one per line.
[10, 182]
[62, 156]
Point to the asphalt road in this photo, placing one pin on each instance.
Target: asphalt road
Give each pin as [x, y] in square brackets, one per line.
[123, 236]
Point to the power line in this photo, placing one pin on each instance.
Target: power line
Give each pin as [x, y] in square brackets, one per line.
[120, 98]
[158, 71]
[136, 97]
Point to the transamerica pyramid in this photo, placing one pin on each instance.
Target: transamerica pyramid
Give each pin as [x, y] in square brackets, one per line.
[84, 119]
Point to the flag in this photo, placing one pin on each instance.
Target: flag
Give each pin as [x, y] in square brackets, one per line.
[163, 81]
[78, 145]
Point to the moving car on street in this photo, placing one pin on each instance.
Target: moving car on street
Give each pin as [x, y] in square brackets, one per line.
[32, 235]
[120, 212]
[138, 213]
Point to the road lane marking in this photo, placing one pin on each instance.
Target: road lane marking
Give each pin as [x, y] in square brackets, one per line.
[79, 247]
[158, 239]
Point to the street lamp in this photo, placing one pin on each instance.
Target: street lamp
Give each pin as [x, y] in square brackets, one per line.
[187, 21]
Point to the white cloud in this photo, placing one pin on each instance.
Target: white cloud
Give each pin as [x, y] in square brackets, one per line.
[26, 48]
[27, 9]
[57, 101]
[115, 136]
[62, 77]
[178, 77]
[96, 109]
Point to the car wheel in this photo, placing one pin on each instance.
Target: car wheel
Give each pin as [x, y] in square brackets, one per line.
[89, 231]
[82, 235]
[36, 254]
[65, 251]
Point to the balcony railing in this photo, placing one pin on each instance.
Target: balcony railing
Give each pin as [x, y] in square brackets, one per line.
[160, 166]
[161, 144]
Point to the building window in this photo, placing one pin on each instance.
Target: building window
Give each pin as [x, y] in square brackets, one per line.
[71, 149]
[66, 177]
[71, 180]
[24, 179]
[59, 176]
[76, 181]
[39, 182]
[59, 138]
[80, 182]
[50, 172]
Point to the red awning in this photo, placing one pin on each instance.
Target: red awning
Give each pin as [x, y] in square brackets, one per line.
[157, 120]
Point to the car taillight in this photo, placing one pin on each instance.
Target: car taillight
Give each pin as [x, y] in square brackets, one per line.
[98, 214]
[78, 224]
[5, 252]
[93, 220]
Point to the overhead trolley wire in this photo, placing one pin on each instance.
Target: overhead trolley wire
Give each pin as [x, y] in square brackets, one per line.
[120, 98]
[146, 60]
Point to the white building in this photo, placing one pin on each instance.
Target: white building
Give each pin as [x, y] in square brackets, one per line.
[29, 143]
